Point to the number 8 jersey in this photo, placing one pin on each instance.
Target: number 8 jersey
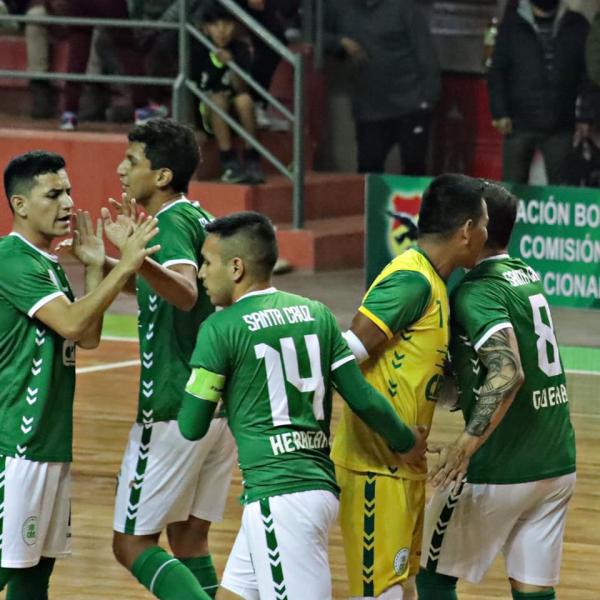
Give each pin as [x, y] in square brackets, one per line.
[535, 440]
[277, 352]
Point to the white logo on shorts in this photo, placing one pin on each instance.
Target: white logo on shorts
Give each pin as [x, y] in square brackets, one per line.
[30, 531]
[400, 561]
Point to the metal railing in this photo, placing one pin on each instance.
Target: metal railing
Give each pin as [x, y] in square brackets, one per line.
[182, 82]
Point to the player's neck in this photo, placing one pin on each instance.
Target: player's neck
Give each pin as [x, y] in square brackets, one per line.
[35, 238]
[162, 200]
[489, 252]
[442, 259]
[246, 288]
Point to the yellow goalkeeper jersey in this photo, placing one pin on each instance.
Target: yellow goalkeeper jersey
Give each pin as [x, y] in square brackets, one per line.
[409, 303]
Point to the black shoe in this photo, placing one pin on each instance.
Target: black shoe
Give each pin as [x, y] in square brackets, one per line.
[43, 100]
[254, 174]
[233, 172]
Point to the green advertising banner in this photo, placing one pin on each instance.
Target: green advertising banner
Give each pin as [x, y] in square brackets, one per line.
[557, 233]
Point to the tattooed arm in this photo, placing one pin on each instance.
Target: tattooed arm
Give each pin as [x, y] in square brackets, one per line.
[500, 356]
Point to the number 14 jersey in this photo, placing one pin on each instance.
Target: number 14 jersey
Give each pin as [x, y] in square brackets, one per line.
[277, 352]
[535, 440]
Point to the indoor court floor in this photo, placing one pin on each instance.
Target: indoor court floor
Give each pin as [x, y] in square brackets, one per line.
[105, 407]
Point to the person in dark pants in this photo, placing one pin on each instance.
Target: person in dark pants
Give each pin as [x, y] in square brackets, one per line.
[79, 45]
[395, 77]
[536, 76]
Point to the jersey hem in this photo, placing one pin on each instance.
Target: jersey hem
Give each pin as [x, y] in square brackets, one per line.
[378, 470]
[255, 497]
[526, 479]
[377, 321]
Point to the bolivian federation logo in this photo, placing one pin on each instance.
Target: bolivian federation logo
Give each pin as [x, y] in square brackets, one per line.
[29, 531]
[403, 211]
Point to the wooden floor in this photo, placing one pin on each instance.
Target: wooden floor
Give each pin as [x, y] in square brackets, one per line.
[105, 409]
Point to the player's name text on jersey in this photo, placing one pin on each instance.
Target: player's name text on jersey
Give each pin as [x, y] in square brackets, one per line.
[269, 317]
[283, 443]
[550, 396]
[519, 277]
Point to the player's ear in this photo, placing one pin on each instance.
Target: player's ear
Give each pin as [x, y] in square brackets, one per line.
[467, 230]
[18, 204]
[164, 178]
[238, 269]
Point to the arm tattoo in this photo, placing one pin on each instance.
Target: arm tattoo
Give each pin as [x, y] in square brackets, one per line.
[503, 373]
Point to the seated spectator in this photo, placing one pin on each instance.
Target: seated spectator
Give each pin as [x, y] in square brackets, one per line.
[79, 41]
[228, 91]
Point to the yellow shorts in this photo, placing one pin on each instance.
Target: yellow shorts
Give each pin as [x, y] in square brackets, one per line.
[382, 524]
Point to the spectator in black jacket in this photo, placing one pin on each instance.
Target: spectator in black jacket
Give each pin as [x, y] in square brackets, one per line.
[395, 77]
[538, 71]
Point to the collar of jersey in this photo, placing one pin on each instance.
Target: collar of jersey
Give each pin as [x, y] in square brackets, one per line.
[49, 256]
[495, 257]
[165, 208]
[422, 252]
[269, 290]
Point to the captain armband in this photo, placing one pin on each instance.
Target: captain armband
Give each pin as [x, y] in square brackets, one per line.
[356, 346]
[205, 385]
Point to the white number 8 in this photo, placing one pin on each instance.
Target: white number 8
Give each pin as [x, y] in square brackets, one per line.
[545, 336]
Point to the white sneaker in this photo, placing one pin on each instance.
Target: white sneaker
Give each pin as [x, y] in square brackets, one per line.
[262, 118]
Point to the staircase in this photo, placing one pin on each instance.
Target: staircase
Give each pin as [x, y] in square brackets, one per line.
[333, 236]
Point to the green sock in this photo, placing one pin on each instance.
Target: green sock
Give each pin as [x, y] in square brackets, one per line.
[31, 583]
[166, 577]
[5, 575]
[548, 594]
[204, 571]
[435, 586]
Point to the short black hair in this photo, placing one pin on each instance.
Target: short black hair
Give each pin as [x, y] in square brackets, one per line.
[21, 171]
[256, 236]
[169, 145]
[448, 203]
[214, 12]
[502, 210]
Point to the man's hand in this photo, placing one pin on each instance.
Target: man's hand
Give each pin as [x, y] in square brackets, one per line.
[504, 125]
[224, 55]
[451, 466]
[256, 4]
[354, 50]
[582, 132]
[118, 230]
[134, 251]
[415, 457]
[87, 245]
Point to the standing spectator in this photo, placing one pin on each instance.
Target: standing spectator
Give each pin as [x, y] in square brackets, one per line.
[395, 77]
[226, 89]
[536, 76]
[593, 51]
[79, 44]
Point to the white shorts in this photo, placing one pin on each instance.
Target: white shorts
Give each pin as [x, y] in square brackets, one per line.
[465, 532]
[35, 511]
[281, 548]
[165, 478]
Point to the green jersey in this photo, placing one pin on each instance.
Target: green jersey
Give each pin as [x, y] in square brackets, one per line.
[37, 365]
[277, 352]
[535, 439]
[167, 335]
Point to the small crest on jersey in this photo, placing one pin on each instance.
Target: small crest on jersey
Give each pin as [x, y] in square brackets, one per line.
[401, 561]
[434, 387]
[68, 353]
[30, 530]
